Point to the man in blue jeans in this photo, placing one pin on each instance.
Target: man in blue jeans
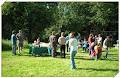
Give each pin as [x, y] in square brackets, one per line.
[13, 41]
[73, 44]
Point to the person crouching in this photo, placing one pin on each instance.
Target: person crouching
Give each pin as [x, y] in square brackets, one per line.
[98, 51]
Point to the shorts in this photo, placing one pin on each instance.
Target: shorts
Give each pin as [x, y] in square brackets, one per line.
[20, 44]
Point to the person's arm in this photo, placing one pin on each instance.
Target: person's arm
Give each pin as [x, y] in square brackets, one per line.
[59, 40]
[70, 43]
[49, 39]
[17, 36]
[55, 39]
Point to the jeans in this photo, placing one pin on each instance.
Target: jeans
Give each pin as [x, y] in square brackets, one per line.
[90, 50]
[49, 50]
[14, 49]
[53, 51]
[72, 55]
[67, 47]
[107, 50]
[62, 49]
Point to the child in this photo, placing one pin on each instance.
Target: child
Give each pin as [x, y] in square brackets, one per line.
[85, 45]
[98, 51]
[34, 43]
[38, 42]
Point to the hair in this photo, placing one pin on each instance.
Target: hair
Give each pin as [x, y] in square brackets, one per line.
[72, 34]
[91, 35]
[62, 34]
[53, 33]
[20, 31]
[99, 34]
[98, 44]
[13, 32]
[107, 36]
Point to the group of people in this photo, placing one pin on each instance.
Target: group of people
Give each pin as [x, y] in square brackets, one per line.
[17, 41]
[93, 45]
[63, 42]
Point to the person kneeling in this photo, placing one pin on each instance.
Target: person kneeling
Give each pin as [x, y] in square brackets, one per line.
[97, 51]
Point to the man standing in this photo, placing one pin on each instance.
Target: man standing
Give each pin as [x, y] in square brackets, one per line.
[53, 43]
[13, 40]
[61, 41]
[20, 41]
[106, 45]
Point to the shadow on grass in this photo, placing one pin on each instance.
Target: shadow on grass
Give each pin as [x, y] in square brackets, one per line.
[98, 59]
[83, 58]
[79, 57]
[109, 59]
[114, 70]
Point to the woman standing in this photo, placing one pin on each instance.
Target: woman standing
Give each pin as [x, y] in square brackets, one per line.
[73, 44]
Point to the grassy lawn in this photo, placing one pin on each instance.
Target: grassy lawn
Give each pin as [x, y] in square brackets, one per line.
[27, 65]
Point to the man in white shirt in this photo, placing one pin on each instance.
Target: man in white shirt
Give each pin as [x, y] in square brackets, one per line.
[61, 41]
[73, 44]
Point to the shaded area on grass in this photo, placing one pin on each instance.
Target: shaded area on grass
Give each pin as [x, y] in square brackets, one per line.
[97, 69]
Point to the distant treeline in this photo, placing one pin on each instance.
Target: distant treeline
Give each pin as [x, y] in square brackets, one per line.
[39, 19]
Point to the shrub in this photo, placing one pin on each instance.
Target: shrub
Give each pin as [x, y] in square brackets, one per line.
[6, 45]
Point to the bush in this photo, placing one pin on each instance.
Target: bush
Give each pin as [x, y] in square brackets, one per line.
[6, 45]
[26, 44]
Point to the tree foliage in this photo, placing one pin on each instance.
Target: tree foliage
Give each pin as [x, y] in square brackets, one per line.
[41, 18]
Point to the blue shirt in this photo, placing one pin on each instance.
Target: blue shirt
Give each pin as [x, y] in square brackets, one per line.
[85, 44]
[67, 39]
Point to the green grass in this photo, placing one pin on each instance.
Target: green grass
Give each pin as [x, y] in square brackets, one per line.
[27, 65]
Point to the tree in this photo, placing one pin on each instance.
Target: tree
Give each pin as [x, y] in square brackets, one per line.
[40, 19]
